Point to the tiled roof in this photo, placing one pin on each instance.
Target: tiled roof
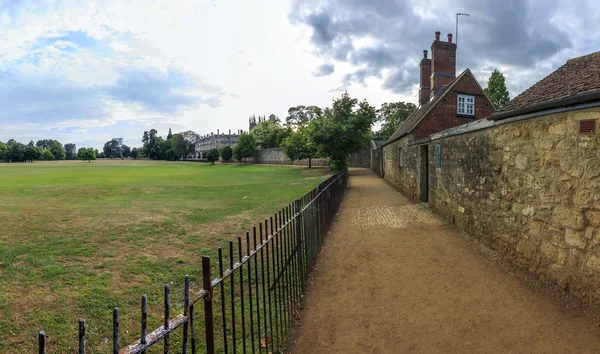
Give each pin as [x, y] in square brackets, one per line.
[578, 76]
[415, 117]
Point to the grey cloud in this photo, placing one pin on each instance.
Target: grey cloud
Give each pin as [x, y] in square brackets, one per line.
[512, 32]
[324, 70]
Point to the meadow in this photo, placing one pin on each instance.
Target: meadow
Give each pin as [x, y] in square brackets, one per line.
[78, 239]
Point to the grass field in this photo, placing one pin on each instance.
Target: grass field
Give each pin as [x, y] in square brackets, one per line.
[78, 239]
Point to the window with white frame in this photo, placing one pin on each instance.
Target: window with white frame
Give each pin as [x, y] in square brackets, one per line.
[466, 105]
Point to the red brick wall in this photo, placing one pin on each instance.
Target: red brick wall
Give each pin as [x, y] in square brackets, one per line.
[444, 115]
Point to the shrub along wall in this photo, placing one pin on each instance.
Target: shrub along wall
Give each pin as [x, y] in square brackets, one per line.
[530, 188]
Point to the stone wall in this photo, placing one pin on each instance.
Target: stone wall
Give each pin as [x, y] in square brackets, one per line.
[530, 189]
[276, 156]
[406, 177]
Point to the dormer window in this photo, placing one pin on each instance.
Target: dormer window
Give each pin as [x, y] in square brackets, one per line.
[466, 105]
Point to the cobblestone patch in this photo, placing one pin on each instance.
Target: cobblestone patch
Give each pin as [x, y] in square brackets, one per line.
[395, 217]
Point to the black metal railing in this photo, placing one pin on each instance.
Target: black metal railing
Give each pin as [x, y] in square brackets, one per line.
[257, 294]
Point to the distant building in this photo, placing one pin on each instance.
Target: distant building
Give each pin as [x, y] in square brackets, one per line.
[254, 122]
[218, 141]
[119, 140]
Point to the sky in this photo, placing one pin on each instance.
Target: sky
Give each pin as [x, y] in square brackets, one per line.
[84, 72]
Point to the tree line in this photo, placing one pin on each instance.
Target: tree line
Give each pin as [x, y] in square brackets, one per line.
[43, 150]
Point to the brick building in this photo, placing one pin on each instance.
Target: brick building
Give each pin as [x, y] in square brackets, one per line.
[445, 101]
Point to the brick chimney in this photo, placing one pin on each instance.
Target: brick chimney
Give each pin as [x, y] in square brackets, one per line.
[443, 64]
[424, 89]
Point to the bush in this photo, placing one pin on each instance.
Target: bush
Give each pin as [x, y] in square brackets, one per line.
[213, 155]
[227, 153]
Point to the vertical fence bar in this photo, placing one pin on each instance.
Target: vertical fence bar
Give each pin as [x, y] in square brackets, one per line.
[279, 272]
[143, 320]
[208, 309]
[116, 330]
[268, 282]
[241, 270]
[233, 345]
[41, 342]
[299, 247]
[223, 315]
[257, 290]
[274, 286]
[166, 319]
[250, 292]
[264, 297]
[81, 336]
[186, 312]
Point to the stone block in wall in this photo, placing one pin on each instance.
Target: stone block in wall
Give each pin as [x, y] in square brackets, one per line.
[563, 216]
[593, 218]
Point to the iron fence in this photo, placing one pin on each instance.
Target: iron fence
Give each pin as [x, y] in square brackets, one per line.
[257, 293]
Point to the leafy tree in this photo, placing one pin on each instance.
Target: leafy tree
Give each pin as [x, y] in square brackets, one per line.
[125, 151]
[179, 145]
[300, 116]
[299, 147]
[496, 90]
[273, 118]
[112, 149]
[100, 155]
[265, 133]
[32, 153]
[392, 115]
[281, 135]
[150, 140]
[191, 139]
[31, 143]
[245, 147]
[15, 152]
[47, 155]
[213, 155]
[227, 153]
[134, 153]
[86, 154]
[3, 151]
[70, 151]
[343, 130]
[57, 150]
[45, 143]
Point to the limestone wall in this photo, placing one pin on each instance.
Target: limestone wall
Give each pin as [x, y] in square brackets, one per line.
[276, 156]
[406, 177]
[530, 189]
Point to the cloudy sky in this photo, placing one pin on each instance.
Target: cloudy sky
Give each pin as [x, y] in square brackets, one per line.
[87, 71]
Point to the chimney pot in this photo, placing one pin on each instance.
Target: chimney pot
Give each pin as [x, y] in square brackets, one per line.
[449, 37]
[437, 35]
[425, 54]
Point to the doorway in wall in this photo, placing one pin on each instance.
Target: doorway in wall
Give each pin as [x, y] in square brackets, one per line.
[424, 174]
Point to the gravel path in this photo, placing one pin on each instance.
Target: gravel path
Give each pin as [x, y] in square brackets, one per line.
[394, 278]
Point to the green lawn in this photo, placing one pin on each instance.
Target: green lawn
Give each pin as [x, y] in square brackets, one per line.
[78, 239]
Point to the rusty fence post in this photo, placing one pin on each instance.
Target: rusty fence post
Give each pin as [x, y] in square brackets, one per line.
[208, 309]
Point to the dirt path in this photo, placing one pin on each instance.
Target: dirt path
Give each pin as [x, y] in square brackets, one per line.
[393, 278]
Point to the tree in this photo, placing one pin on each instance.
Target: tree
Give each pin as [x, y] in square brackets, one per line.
[213, 155]
[227, 153]
[3, 151]
[86, 154]
[273, 118]
[300, 116]
[32, 153]
[134, 153]
[343, 130]
[245, 147]
[496, 90]
[57, 150]
[299, 147]
[70, 151]
[191, 139]
[112, 149]
[179, 145]
[15, 151]
[265, 133]
[392, 115]
[150, 140]
[125, 151]
[46, 155]
[281, 135]
[45, 143]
